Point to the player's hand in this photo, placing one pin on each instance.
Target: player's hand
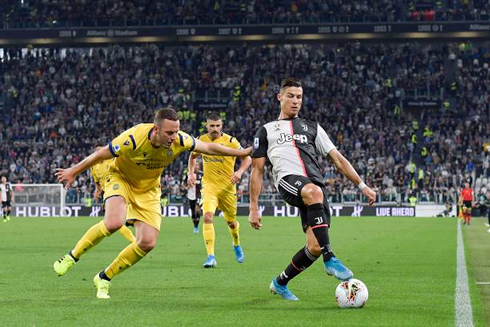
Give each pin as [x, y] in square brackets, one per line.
[370, 194]
[254, 219]
[246, 152]
[65, 176]
[236, 177]
[191, 180]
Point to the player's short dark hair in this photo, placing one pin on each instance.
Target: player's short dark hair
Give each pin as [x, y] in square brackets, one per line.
[213, 115]
[165, 113]
[290, 82]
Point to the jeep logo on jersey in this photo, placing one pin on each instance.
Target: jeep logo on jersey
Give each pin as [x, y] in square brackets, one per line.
[290, 138]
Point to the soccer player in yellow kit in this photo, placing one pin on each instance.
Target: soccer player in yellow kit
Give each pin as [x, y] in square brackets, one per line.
[133, 189]
[100, 174]
[219, 187]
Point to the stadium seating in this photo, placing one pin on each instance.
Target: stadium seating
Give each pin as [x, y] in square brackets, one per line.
[55, 100]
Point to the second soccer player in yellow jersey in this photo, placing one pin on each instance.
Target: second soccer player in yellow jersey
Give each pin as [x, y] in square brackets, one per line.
[219, 187]
[101, 174]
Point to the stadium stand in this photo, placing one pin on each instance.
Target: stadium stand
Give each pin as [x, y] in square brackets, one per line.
[64, 13]
[55, 98]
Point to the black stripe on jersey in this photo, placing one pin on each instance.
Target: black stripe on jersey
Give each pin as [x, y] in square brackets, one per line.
[193, 144]
[181, 140]
[132, 140]
[301, 161]
[149, 133]
[307, 150]
[231, 139]
[112, 150]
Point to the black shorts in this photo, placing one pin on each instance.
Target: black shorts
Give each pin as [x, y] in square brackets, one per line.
[290, 189]
[192, 203]
[467, 204]
[6, 204]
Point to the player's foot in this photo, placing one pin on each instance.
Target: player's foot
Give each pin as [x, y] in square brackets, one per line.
[238, 253]
[487, 224]
[102, 286]
[8, 218]
[337, 269]
[196, 230]
[488, 230]
[282, 290]
[4, 220]
[62, 265]
[210, 262]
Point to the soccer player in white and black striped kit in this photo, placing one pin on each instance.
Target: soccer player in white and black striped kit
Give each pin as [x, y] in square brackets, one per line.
[7, 195]
[292, 144]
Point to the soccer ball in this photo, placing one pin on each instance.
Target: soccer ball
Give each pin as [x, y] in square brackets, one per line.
[351, 294]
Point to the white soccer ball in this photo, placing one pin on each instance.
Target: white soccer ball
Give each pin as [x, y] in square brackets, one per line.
[351, 294]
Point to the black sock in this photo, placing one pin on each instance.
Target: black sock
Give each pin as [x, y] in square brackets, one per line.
[320, 222]
[301, 260]
[104, 276]
[71, 255]
[195, 220]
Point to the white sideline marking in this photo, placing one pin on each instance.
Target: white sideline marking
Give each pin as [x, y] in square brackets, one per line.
[463, 310]
[482, 283]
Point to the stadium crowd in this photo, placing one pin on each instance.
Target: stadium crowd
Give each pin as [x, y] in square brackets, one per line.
[60, 103]
[41, 13]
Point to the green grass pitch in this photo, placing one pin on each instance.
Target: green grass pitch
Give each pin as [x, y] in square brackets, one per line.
[408, 264]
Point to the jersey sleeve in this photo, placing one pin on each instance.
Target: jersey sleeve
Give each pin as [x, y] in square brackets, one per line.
[234, 143]
[323, 143]
[186, 141]
[123, 144]
[260, 143]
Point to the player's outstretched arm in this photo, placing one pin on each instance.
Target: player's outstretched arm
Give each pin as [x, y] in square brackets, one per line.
[237, 175]
[68, 175]
[255, 188]
[344, 166]
[191, 165]
[218, 149]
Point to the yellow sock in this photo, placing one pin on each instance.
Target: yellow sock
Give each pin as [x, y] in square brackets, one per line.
[126, 258]
[209, 237]
[92, 237]
[126, 232]
[235, 233]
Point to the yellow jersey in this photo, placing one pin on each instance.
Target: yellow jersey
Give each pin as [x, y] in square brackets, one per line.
[100, 172]
[139, 162]
[217, 170]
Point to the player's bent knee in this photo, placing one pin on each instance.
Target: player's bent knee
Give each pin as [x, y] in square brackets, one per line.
[231, 223]
[208, 218]
[113, 225]
[312, 194]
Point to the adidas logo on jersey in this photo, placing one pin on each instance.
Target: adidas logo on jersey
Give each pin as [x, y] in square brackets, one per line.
[290, 138]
